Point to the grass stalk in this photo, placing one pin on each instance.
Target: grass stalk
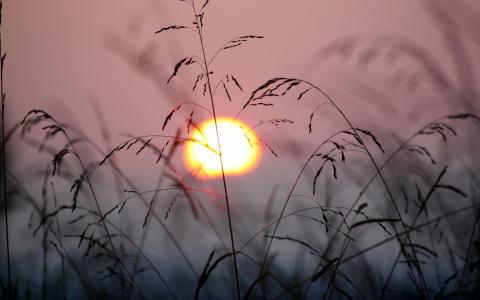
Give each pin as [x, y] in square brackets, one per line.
[370, 156]
[383, 242]
[210, 93]
[4, 175]
[422, 208]
[387, 188]
[368, 184]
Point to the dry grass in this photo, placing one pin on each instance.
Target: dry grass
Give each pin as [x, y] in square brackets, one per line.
[405, 227]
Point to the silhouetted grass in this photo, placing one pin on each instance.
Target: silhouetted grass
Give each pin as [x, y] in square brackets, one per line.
[362, 219]
[4, 175]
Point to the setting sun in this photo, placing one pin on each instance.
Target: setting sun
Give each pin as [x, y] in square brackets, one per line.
[239, 145]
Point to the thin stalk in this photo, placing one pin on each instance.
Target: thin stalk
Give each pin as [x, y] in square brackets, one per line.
[4, 175]
[207, 73]
[106, 137]
[31, 201]
[140, 252]
[472, 233]
[377, 169]
[86, 178]
[99, 210]
[367, 185]
[59, 231]
[424, 206]
[383, 242]
[289, 196]
[44, 237]
[132, 186]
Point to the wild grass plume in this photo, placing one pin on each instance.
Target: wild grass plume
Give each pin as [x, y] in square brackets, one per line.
[352, 199]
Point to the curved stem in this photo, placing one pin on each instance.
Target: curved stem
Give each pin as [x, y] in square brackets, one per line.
[152, 265]
[289, 196]
[390, 194]
[155, 191]
[97, 206]
[382, 242]
[131, 185]
[218, 84]
[364, 189]
[197, 105]
[181, 139]
[218, 52]
[472, 232]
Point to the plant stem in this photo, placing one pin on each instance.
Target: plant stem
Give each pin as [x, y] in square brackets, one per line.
[4, 175]
[207, 73]
[99, 210]
[378, 171]
[383, 242]
[364, 189]
[390, 195]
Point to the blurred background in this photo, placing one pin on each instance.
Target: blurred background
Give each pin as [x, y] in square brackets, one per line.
[99, 67]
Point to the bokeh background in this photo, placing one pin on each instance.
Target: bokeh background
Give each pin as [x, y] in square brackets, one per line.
[98, 66]
[61, 56]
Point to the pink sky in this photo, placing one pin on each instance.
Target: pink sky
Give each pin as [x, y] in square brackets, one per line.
[63, 53]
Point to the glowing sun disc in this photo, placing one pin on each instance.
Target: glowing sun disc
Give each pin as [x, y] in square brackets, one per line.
[239, 145]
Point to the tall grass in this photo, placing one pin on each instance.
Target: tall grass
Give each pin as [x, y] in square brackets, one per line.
[368, 215]
[4, 161]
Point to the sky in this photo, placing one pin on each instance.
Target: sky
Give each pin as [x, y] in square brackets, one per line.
[73, 58]
[62, 54]
[79, 60]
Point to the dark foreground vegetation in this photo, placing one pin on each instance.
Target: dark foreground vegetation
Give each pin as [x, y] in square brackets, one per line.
[372, 212]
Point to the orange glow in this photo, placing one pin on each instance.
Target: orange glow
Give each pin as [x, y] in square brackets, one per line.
[240, 149]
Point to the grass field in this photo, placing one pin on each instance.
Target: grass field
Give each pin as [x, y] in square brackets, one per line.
[365, 188]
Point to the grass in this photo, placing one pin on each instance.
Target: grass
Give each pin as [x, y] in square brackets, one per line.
[4, 176]
[363, 218]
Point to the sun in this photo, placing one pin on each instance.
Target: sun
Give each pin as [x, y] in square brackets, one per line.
[239, 145]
